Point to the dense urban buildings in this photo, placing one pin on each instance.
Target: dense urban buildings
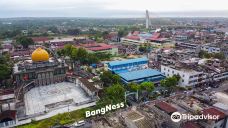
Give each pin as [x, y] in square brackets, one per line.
[124, 72]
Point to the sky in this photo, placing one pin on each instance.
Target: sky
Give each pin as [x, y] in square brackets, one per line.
[113, 8]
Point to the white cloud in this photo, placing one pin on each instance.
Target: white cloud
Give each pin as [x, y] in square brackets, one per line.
[104, 7]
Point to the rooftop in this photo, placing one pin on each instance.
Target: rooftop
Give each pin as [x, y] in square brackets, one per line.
[190, 124]
[133, 75]
[89, 85]
[97, 46]
[134, 116]
[213, 111]
[165, 107]
[114, 63]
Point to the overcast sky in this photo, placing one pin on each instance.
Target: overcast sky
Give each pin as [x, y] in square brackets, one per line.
[112, 8]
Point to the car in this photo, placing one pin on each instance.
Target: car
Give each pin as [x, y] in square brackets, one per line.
[208, 88]
[79, 123]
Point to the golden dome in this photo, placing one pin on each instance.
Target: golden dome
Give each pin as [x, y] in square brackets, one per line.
[40, 55]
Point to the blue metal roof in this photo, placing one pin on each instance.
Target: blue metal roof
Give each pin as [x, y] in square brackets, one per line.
[114, 63]
[140, 74]
[120, 71]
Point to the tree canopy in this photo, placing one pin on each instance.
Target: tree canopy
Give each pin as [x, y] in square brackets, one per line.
[108, 78]
[170, 82]
[147, 86]
[115, 92]
[78, 54]
[5, 67]
[24, 41]
[204, 54]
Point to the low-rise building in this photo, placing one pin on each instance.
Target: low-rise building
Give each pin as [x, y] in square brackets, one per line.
[100, 48]
[211, 48]
[189, 77]
[7, 108]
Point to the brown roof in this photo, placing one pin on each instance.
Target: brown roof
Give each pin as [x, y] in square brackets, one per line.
[190, 124]
[8, 114]
[165, 107]
[89, 85]
[214, 111]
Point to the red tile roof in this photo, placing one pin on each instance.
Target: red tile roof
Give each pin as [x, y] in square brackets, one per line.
[214, 111]
[133, 37]
[165, 107]
[155, 36]
[97, 46]
[135, 33]
[190, 124]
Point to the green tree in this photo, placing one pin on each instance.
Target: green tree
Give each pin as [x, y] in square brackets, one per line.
[108, 78]
[68, 49]
[142, 49]
[133, 87]
[5, 68]
[91, 59]
[147, 86]
[170, 82]
[115, 79]
[115, 93]
[82, 54]
[122, 32]
[104, 34]
[24, 41]
[219, 56]
[74, 54]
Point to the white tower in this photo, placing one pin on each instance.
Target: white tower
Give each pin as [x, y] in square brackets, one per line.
[148, 23]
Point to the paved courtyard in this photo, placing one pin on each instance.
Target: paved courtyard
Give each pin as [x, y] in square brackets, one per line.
[43, 98]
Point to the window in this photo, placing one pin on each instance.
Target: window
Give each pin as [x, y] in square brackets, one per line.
[182, 75]
[168, 70]
[182, 80]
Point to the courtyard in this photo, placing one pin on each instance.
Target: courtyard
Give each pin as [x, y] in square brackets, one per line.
[52, 97]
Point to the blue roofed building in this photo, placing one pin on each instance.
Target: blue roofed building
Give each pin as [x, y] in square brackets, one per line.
[135, 70]
[140, 76]
[128, 65]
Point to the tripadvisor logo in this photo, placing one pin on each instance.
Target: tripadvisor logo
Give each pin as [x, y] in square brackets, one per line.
[105, 109]
[176, 117]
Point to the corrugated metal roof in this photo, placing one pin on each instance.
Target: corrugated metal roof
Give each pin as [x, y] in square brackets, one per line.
[133, 75]
[165, 107]
[114, 63]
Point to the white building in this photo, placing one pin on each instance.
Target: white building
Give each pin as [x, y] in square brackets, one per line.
[188, 77]
[132, 41]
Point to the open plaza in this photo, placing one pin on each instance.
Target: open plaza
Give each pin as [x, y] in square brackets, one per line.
[45, 98]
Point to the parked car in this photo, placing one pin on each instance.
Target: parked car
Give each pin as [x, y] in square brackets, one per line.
[79, 123]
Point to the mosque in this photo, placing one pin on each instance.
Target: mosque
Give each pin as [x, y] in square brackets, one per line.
[41, 69]
[43, 88]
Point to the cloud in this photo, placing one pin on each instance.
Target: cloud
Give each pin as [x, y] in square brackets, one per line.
[110, 8]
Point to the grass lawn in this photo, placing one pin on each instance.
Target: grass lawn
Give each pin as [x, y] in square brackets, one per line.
[61, 119]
